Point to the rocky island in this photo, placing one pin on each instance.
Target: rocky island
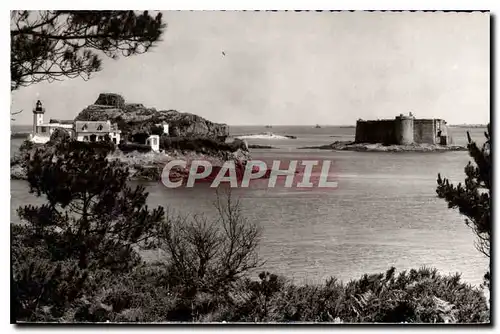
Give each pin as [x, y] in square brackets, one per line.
[190, 137]
[404, 133]
[377, 147]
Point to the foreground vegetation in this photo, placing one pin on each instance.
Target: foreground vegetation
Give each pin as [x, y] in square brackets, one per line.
[77, 258]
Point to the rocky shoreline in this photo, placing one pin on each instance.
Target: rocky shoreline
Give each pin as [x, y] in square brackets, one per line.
[143, 166]
[366, 147]
[254, 146]
[149, 166]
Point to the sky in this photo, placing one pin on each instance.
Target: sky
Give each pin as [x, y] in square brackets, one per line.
[288, 68]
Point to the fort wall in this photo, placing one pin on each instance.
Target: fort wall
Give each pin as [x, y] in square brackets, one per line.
[379, 131]
[424, 131]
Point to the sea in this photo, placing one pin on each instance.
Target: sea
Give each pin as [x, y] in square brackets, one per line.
[383, 213]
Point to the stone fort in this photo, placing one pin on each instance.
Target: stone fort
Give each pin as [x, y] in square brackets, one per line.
[403, 130]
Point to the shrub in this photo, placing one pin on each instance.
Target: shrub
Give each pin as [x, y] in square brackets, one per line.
[157, 130]
[59, 135]
[208, 255]
[130, 147]
[416, 296]
[197, 144]
[27, 145]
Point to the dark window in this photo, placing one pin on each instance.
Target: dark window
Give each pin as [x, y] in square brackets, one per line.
[84, 127]
[85, 138]
[99, 128]
[114, 140]
[93, 138]
[44, 129]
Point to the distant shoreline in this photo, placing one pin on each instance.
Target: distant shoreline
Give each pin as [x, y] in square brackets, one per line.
[474, 126]
[19, 134]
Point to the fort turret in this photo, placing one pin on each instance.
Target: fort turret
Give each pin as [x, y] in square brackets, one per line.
[404, 129]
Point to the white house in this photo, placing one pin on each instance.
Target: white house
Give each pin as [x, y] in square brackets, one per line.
[92, 131]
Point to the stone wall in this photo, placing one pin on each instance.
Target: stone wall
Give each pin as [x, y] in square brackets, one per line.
[424, 131]
[379, 131]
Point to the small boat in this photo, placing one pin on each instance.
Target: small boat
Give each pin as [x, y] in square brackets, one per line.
[269, 126]
[317, 126]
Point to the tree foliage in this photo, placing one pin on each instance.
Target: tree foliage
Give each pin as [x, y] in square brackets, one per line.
[52, 45]
[91, 214]
[473, 198]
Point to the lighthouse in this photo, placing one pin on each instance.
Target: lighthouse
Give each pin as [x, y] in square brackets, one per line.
[38, 112]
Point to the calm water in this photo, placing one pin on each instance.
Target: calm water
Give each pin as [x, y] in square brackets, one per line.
[384, 212]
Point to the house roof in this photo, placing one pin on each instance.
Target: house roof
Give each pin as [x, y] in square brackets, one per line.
[93, 126]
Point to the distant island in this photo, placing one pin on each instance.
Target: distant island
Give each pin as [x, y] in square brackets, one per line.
[265, 135]
[468, 125]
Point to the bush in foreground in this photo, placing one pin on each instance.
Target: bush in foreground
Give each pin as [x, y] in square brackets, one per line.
[415, 296]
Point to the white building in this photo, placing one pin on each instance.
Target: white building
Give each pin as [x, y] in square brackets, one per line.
[41, 131]
[165, 127]
[154, 142]
[64, 124]
[92, 131]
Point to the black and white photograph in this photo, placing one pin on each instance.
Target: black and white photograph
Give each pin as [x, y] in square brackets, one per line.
[250, 167]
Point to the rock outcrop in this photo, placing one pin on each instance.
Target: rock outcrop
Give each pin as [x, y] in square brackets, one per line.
[110, 99]
[133, 118]
[365, 147]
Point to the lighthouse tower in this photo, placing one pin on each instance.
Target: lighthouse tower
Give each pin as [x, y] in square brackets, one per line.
[38, 112]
